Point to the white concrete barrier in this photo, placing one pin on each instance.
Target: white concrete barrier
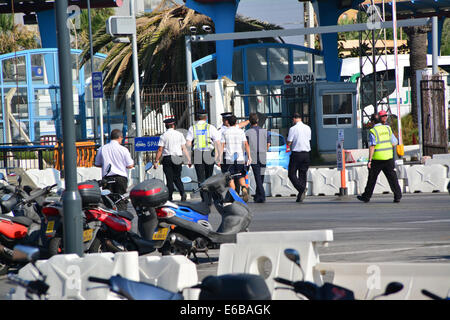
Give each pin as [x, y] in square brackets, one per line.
[46, 177]
[84, 174]
[261, 253]
[382, 185]
[280, 184]
[67, 274]
[327, 182]
[430, 178]
[368, 280]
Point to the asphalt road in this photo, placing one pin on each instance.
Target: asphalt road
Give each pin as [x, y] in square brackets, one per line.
[415, 230]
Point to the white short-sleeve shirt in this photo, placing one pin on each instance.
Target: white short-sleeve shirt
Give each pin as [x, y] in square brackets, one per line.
[300, 136]
[171, 141]
[115, 154]
[234, 139]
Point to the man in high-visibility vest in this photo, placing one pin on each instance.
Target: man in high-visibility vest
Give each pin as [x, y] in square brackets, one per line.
[204, 139]
[381, 158]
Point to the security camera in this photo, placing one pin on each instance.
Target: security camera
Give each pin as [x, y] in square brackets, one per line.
[206, 28]
[193, 29]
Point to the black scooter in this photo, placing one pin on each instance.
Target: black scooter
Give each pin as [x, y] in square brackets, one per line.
[183, 227]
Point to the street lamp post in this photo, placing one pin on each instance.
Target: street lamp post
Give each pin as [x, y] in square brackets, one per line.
[73, 228]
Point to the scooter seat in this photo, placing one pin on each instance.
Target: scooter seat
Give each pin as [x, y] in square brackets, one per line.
[126, 215]
[200, 207]
[25, 221]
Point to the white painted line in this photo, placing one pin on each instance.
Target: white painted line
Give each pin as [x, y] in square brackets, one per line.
[382, 250]
[430, 221]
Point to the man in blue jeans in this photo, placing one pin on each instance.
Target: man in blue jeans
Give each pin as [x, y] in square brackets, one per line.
[259, 142]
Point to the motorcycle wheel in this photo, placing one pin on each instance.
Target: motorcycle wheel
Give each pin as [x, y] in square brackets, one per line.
[96, 246]
[54, 246]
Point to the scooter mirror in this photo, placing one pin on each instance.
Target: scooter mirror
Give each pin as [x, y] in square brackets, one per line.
[28, 253]
[393, 287]
[106, 192]
[148, 166]
[292, 255]
[186, 179]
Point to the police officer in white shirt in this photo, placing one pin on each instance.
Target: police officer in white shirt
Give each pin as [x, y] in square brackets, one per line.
[172, 146]
[298, 140]
[116, 155]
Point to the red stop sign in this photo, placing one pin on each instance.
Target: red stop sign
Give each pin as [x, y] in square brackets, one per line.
[287, 79]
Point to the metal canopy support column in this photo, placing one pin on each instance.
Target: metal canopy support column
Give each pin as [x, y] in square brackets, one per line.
[73, 229]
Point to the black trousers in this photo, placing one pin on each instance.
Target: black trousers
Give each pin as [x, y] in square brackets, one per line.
[120, 185]
[204, 168]
[387, 166]
[258, 172]
[172, 172]
[298, 167]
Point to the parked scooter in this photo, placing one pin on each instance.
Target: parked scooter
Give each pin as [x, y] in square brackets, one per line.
[183, 227]
[306, 290]
[20, 221]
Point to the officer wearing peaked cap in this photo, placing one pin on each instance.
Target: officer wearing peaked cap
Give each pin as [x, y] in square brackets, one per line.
[172, 146]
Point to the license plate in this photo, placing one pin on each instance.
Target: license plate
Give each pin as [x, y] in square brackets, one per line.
[50, 227]
[161, 234]
[87, 235]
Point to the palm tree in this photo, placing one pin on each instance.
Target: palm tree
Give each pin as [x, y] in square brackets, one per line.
[417, 43]
[14, 37]
[161, 47]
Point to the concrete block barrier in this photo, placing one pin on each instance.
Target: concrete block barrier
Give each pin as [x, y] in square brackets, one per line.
[427, 178]
[261, 253]
[46, 177]
[84, 174]
[368, 280]
[67, 274]
[327, 182]
[382, 185]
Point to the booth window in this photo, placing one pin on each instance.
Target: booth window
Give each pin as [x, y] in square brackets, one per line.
[337, 110]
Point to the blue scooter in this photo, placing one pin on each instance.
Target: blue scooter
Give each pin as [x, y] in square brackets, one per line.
[184, 227]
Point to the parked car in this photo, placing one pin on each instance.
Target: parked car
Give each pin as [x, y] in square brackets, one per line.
[279, 152]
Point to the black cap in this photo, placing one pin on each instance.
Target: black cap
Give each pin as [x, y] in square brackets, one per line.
[226, 114]
[202, 113]
[169, 120]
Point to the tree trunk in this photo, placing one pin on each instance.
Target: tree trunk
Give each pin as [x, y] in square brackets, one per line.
[417, 43]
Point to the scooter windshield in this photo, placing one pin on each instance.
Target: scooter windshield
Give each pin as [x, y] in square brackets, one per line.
[236, 196]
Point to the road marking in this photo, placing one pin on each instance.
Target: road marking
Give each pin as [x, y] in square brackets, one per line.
[430, 221]
[383, 250]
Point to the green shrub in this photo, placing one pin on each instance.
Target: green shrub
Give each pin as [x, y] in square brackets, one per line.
[409, 129]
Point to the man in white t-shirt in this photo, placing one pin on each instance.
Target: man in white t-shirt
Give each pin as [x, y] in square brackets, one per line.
[299, 141]
[172, 146]
[234, 142]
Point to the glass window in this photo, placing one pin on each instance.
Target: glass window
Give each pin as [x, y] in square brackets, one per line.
[17, 101]
[44, 128]
[256, 64]
[300, 61]
[258, 99]
[237, 66]
[337, 109]
[43, 102]
[278, 63]
[206, 70]
[14, 70]
[319, 67]
[20, 132]
[42, 68]
[75, 67]
[276, 140]
[275, 99]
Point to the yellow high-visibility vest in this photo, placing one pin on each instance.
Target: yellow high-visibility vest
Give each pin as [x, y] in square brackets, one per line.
[202, 136]
[383, 146]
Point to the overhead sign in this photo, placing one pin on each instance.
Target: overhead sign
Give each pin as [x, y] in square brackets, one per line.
[146, 143]
[299, 78]
[97, 85]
